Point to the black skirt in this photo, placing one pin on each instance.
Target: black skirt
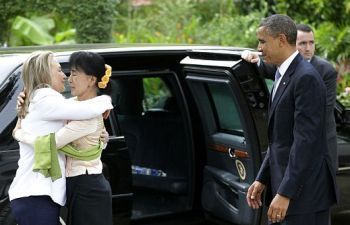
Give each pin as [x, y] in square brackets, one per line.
[89, 200]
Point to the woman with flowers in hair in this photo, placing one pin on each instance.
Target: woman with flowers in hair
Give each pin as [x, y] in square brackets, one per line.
[89, 199]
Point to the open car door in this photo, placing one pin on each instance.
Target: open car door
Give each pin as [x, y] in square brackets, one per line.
[342, 116]
[233, 102]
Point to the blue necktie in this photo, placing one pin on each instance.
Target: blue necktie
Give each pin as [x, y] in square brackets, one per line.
[277, 77]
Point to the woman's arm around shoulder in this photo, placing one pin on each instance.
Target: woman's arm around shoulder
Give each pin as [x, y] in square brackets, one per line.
[53, 106]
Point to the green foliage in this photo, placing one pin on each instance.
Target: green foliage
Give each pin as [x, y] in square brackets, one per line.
[208, 10]
[37, 30]
[158, 23]
[93, 20]
[333, 42]
[186, 22]
[29, 8]
[245, 7]
[65, 37]
[343, 82]
[231, 31]
[314, 11]
[8, 11]
[347, 6]
[343, 89]
[155, 91]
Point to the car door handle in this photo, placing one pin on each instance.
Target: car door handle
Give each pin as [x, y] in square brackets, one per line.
[235, 153]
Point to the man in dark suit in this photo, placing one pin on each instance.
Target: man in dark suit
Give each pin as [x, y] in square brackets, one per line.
[296, 172]
[306, 46]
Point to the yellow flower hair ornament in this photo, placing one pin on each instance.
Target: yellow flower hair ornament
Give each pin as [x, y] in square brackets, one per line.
[105, 79]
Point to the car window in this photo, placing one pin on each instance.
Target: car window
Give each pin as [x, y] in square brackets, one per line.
[225, 108]
[156, 93]
[66, 92]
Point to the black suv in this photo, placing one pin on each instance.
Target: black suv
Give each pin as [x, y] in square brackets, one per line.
[187, 134]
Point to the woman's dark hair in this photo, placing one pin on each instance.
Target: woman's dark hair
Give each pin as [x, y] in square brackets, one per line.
[92, 64]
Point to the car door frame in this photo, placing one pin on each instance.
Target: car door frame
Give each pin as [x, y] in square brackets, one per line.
[245, 151]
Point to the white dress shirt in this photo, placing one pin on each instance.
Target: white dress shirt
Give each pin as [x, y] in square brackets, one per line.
[284, 66]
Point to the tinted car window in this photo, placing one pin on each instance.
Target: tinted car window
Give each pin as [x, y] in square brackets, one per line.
[156, 93]
[225, 107]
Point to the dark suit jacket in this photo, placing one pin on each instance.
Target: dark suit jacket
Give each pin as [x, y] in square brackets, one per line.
[329, 77]
[297, 164]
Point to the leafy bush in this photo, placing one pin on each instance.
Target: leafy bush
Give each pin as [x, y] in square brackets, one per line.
[162, 22]
[343, 86]
[314, 12]
[186, 22]
[37, 30]
[334, 43]
[231, 31]
[343, 89]
[93, 21]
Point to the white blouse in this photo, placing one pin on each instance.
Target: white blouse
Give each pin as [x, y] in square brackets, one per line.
[47, 113]
[82, 135]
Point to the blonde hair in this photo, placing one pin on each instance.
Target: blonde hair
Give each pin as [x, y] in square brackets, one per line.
[36, 73]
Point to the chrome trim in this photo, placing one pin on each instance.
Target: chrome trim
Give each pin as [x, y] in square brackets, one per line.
[123, 195]
[115, 138]
[345, 168]
[4, 199]
[202, 62]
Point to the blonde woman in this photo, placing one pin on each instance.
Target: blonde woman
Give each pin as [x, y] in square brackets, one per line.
[35, 198]
[89, 199]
